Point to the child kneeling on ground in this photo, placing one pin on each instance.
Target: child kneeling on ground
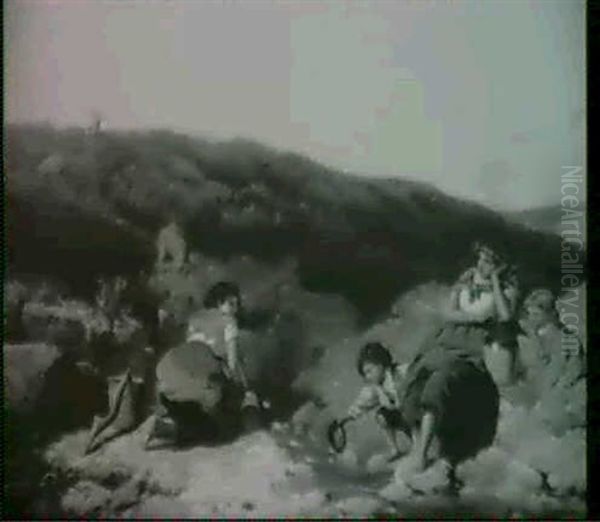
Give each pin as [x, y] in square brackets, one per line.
[381, 394]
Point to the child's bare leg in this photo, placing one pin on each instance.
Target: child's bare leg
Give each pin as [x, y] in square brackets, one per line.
[433, 452]
[414, 438]
[390, 435]
[424, 439]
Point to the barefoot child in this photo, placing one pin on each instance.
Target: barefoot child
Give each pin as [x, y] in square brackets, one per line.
[380, 394]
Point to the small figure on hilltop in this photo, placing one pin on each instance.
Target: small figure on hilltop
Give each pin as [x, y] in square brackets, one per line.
[553, 361]
[171, 248]
[201, 384]
[97, 125]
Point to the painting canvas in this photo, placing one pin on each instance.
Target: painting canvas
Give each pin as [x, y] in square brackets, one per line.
[274, 259]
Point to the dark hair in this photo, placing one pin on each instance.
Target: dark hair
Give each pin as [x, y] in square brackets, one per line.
[480, 248]
[374, 353]
[221, 291]
[509, 275]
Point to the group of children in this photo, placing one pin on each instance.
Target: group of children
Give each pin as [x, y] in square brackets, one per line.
[446, 401]
[447, 394]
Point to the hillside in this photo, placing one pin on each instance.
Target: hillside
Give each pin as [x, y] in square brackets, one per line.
[81, 205]
[325, 262]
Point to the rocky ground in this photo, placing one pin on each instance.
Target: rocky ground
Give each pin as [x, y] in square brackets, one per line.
[277, 472]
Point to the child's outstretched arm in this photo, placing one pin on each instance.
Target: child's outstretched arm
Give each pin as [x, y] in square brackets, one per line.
[366, 401]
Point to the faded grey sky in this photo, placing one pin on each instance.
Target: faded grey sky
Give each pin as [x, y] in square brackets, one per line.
[485, 99]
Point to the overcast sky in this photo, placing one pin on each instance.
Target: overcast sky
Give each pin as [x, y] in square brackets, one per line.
[485, 99]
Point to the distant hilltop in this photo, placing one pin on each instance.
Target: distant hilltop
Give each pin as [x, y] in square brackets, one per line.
[543, 219]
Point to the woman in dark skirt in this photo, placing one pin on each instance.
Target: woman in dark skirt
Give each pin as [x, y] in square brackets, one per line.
[448, 393]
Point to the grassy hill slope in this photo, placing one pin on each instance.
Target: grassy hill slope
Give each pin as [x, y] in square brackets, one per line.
[81, 205]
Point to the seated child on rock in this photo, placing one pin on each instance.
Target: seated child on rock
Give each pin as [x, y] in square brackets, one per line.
[553, 361]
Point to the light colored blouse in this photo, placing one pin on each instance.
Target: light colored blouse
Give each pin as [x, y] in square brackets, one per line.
[215, 329]
[477, 298]
[482, 306]
[373, 396]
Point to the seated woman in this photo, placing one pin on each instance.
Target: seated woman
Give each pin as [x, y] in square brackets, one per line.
[448, 393]
[200, 382]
